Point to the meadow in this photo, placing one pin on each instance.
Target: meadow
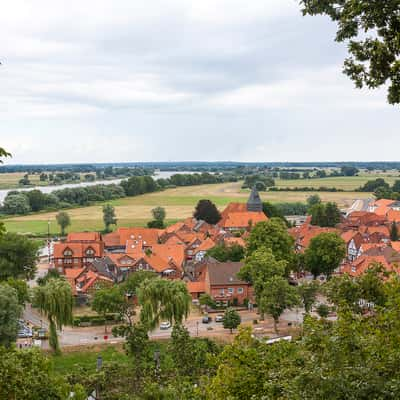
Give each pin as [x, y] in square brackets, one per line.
[179, 203]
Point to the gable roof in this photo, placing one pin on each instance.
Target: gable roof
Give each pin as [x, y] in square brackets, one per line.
[243, 219]
[78, 249]
[83, 237]
[224, 273]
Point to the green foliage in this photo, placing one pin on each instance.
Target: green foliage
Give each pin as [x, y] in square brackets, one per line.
[52, 273]
[207, 211]
[206, 300]
[272, 235]
[28, 375]
[323, 310]
[18, 256]
[373, 185]
[325, 215]
[10, 312]
[313, 200]
[107, 301]
[64, 220]
[348, 170]
[163, 299]
[231, 319]
[21, 287]
[324, 254]
[109, 216]
[3, 153]
[16, 204]
[252, 180]
[159, 213]
[308, 294]
[224, 253]
[278, 296]
[370, 29]
[55, 301]
[155, 223]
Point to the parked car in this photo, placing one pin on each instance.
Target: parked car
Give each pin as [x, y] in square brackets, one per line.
[219, 318]
[165, 325]
[206, 319]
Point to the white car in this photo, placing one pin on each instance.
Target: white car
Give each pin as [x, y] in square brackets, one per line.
[165, 325]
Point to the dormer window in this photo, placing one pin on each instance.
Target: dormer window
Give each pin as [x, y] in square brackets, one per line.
[90, 252]
[68, 253]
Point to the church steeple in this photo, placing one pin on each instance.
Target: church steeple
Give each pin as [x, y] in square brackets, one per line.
[254, 203]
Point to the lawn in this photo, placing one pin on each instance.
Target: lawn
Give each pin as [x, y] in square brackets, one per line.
[179, 204]
[68, 362]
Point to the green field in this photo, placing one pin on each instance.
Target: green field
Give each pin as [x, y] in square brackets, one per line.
[179, 203]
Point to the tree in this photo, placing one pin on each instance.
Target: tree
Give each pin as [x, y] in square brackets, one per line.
[325, 215]
[163, 299]
[206, 300]
[10, 312]
[36, 199]
[348, 170]
[156, 224]
[273, 235]
[207, 211]
[16, 204]
[277, 296]
[370, 28]
[21, 287]
[324, 254]
[308, 294]
[224, 253]
[181, 349]
[18, 256]
[259, 267]
[109, 217]
[313, 200]
[64, 220]
[371, 186]
[3, 153]
[159, 213]
[107, 301]
[52, 273]
[394, 233]
[55, 301]
[231, 319]
[29, 375]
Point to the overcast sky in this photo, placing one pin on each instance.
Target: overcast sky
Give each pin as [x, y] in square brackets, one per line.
[175, 80]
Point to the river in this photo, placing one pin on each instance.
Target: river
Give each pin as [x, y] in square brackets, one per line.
[49, 189]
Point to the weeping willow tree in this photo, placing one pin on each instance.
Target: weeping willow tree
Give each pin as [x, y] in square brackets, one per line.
[55, 301]
[163, 300]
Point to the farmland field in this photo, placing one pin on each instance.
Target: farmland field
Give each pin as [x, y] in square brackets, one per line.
[179, 203]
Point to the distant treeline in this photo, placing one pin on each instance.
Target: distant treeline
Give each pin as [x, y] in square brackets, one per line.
[24, 202]
[381, 189]
[305, 189]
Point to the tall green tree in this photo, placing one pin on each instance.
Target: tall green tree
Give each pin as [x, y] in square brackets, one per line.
[308, 294]
[207, 211]
[224, 253]
[259, 267]
[10, 312]
[231, 319]
[64, 220]
[21, 287]
[16, 204]
[324, 254]
[55, 301]
[18, 256]
[370, 29]
[107, 301]
[109, 216]
[273, 235]
[278, 296]
[159, 213]
[163, 299]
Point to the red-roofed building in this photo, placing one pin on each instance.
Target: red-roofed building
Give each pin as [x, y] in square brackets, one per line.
[84, 237]
[76, 254]
[363, 263]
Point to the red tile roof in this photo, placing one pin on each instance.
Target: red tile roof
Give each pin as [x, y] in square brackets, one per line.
[83, 237]
[196, 287]
[78, 249]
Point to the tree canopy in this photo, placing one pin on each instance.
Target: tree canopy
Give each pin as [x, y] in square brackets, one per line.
[10, 312]
[207, 211]
[370, 28]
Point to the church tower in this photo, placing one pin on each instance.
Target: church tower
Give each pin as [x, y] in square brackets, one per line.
[254, 203]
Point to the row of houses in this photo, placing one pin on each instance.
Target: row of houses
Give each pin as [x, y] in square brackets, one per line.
[367, 235]
[91, 261]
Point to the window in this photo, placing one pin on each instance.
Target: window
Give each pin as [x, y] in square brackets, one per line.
[68, 253]
[60, 261]
[222, 291]
[230, 290]
[90, 252]
[353, 269]
[76, 260]
[240, 290]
